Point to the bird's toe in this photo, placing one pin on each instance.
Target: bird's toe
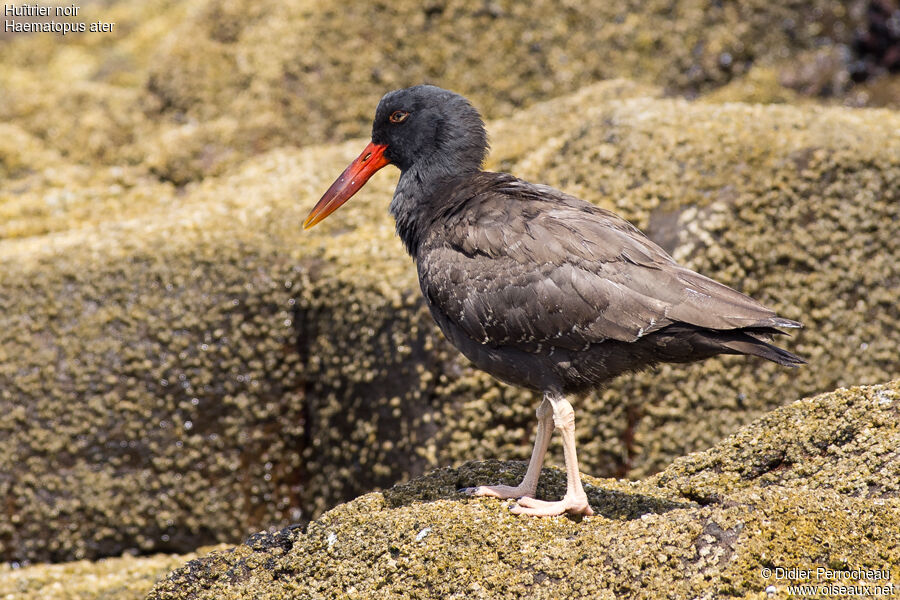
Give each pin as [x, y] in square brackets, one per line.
[541, 508]
[503, 492]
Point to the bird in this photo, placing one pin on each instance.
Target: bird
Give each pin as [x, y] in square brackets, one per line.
[538, 288]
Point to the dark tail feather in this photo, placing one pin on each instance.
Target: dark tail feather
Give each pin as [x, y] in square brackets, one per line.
[742, 343]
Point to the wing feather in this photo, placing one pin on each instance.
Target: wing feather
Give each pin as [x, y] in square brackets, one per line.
[528, 266]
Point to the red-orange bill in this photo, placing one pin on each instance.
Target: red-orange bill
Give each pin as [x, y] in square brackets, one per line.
[353, 178]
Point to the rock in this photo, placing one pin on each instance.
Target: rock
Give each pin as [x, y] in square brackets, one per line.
[812, 485]
[181, 365]
[738, 194]
[122, 578]
[272, 73]
[265, 62]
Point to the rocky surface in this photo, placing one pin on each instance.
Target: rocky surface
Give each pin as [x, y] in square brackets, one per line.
[180, 365]
[195, 345]
[188, 89]
[123, 578]
[813, 484]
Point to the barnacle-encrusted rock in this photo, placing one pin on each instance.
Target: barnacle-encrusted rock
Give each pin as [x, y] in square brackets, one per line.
[121, 578]
[181, 365]
[175, 76]
[812, 485]
[794, 206]
[222, 60]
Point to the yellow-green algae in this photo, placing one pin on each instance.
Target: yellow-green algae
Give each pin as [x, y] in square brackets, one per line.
[123, 578]
[189, 366]
[813, 484]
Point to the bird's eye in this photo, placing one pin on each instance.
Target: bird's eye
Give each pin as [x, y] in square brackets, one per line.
[398, 116]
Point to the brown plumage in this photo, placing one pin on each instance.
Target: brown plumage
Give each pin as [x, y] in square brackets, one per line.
[546, 291]
[536, 287]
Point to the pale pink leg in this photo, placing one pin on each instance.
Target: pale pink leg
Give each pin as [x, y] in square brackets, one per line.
[528, 484]
[575, 501]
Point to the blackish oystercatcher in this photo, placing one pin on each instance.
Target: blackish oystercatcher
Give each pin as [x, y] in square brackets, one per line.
[538, 288]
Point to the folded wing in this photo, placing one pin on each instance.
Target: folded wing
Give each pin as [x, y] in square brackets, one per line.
[548, 270]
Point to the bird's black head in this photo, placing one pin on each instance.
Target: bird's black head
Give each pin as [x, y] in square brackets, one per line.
[427, 124]
[433, 130]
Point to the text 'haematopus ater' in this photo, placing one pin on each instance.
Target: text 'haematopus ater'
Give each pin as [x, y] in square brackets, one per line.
[536, 287]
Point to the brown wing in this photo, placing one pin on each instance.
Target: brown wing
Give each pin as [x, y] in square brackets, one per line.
[523, 265]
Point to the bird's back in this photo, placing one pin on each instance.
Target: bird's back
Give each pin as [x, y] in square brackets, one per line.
[538, 287]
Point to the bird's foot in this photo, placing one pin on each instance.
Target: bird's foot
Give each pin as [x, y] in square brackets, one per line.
[503, 492]
[574, 505]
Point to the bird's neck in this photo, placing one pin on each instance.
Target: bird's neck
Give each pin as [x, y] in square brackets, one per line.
[413, 205]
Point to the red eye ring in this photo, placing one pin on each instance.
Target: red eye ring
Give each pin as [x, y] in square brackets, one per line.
[398, 116]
